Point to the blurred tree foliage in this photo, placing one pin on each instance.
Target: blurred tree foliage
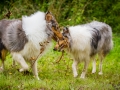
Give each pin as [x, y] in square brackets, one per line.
[67, 12]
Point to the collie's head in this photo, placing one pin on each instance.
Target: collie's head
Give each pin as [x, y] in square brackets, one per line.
[65, 42]
[63, 39]
[53, 26]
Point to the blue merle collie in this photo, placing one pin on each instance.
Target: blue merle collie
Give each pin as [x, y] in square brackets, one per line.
[84, 42]
[25, 39]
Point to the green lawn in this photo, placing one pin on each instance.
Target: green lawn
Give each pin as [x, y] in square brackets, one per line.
[58, 76]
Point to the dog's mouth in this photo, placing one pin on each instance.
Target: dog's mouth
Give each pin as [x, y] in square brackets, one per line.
[60, 49]
[61, 45]
[52, 24]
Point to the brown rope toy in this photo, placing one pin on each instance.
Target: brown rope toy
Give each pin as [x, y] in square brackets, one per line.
[53, 25]
[41, 51]
[66, 44]
[58, 60]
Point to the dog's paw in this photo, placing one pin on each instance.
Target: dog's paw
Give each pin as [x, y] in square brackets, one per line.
[100, 73]
[26, 72]
[93, 72]
[75, 75]
[37, 78]
[82, 75]
[21, 70]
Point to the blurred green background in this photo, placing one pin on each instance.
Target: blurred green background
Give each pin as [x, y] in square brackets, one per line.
[67, 12]
[58, 76]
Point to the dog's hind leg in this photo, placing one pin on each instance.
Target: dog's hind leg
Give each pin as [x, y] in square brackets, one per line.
[100, 67]
[101, 57]
[2, 66]
[74, 68]
[3, 57]
[34, 69]
[18, 58]
[94, 65]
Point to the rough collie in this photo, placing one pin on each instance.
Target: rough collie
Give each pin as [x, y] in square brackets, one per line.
[26, 39]
[84, 42]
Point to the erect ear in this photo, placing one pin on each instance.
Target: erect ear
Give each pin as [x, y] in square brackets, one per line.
[47, 12]
[66, 30]
[48, 16]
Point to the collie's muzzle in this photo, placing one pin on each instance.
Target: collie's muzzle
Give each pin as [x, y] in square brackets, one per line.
[65, 42]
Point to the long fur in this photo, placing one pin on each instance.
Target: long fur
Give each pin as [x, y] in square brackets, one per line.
[87, 40]
[23, 38]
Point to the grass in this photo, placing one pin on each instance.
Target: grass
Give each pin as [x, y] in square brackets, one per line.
[58, 76]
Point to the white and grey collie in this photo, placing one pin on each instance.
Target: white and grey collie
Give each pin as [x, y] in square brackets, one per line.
[25, 39]
[84, 42]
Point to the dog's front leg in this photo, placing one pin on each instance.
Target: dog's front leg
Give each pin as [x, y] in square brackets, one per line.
[74, 68]
[86, 62]
[34, 69]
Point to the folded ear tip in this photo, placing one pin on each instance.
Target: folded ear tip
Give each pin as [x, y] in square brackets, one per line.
[47, 12]
[66, 27]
